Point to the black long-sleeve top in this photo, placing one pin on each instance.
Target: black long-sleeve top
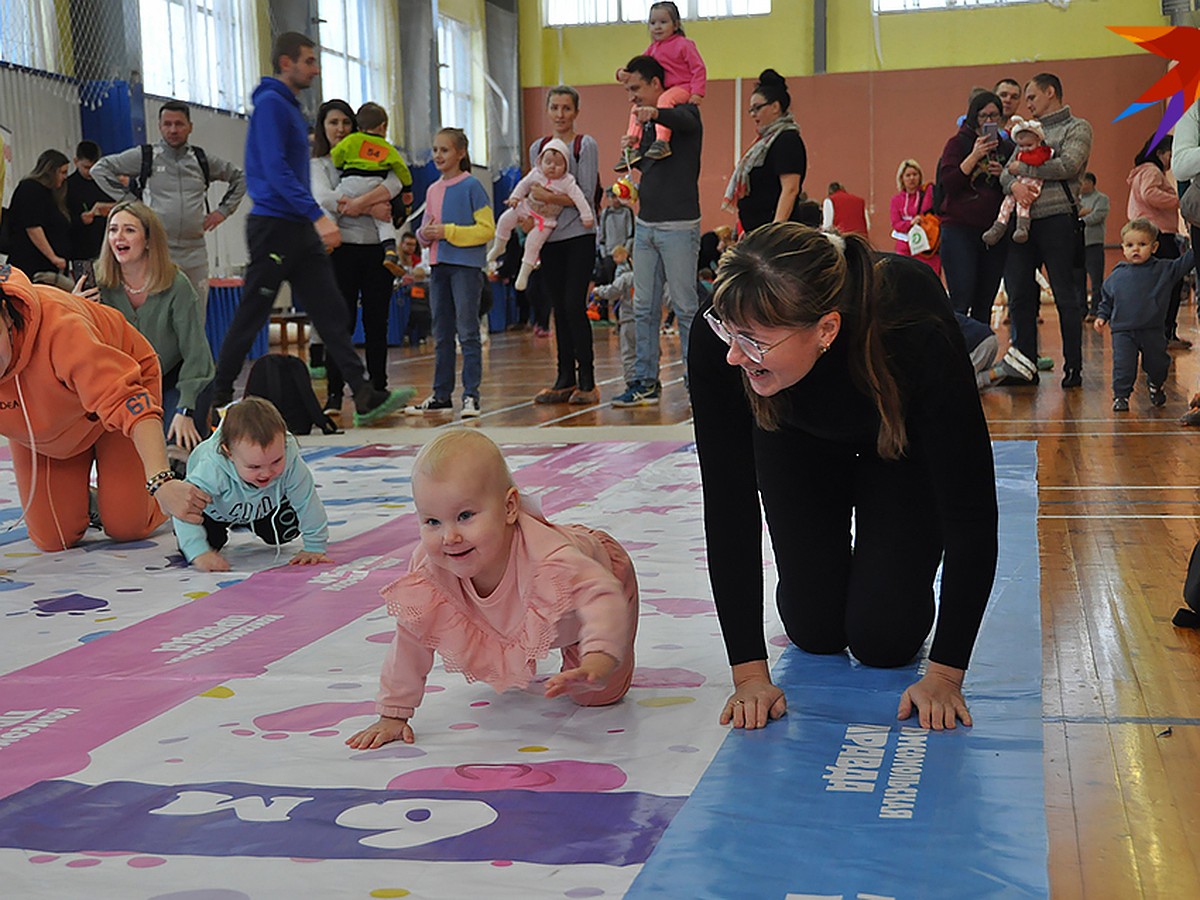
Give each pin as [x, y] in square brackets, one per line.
[947, 433]
[669, 190]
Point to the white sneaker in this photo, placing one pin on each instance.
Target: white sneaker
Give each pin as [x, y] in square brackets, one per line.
[470, 408]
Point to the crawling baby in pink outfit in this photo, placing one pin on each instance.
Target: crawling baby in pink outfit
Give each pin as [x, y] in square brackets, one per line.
[493, 587]
[551, 173]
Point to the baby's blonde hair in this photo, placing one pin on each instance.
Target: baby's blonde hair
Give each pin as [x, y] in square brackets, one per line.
[450, 446]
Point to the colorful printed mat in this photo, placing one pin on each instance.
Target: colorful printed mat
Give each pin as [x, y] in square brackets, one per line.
[173, 735]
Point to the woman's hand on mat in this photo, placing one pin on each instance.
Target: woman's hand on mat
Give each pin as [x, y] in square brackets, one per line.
[755, 698]
[182, 500]
[382, 732]
[309, 558]
[593, 668]
[211, 561]
[937, 698]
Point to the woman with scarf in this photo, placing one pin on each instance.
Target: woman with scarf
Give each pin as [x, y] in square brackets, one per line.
[767, 182]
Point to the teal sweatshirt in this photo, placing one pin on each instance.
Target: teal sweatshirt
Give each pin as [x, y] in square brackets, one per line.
[237, 502]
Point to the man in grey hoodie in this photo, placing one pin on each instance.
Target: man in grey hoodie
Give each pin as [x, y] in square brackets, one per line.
[1052, 235]
[177, 190]
[1093, 210]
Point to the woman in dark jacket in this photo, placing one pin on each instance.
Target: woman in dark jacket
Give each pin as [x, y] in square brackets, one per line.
[41, 227]
[969, 173]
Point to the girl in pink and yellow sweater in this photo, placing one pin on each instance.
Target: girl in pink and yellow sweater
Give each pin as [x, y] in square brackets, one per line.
[493, 587]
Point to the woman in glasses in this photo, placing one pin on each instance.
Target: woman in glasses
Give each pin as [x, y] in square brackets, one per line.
[836, 385]
[768, 179]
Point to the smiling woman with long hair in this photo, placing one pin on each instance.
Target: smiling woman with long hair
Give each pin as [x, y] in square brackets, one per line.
[135, 275]
[837, 386]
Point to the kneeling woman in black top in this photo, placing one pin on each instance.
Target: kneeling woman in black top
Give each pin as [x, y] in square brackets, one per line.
[836, 384]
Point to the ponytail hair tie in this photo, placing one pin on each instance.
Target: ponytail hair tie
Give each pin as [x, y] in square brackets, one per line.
[837, 240]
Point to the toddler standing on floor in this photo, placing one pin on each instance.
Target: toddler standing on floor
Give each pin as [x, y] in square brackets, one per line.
[493, 587]
[251, 467]
[1032, 150]
[364, 157]
[456, 228]
[686, 79]
[551, 173]
[1133, 303]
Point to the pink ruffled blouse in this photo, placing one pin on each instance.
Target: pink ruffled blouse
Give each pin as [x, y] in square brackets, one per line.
[564, 585]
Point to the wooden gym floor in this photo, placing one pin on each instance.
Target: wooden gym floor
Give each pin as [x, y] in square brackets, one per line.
[1119, 513]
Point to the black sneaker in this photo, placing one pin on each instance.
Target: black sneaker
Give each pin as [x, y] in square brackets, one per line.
[428, 405]
[628, 160]
[1073, 378]
[1158, 397]
[658, 150]
[1120, 404]
[371, 405]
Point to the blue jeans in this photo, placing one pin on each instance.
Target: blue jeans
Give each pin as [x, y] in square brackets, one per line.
[454, 303]
[973, 270]
[662, 254]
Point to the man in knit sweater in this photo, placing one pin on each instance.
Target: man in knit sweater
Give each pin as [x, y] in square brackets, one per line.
[1052, 235]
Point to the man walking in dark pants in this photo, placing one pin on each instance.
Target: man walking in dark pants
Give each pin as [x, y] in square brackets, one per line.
[1053, 239]
[288, 235]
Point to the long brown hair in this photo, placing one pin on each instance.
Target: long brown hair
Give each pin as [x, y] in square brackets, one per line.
[160, 271]
[787, 275]
[43, 173]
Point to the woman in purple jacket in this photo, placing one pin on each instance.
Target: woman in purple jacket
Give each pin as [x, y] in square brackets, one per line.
[969, 172]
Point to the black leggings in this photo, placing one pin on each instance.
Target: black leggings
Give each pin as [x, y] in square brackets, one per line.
[279, 526]
[873, 595]
[1168, 248]
[566, 271]
[360, 274]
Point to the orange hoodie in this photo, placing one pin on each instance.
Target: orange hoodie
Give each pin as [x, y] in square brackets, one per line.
[77, 369]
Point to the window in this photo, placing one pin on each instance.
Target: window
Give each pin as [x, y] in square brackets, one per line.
[596, 12]
[457, 88]
[29, 34]
[199, 51]
[350, 68]
[882, 6]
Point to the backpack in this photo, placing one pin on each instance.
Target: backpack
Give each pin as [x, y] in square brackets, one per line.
[577, 144]
[284, 380]
[137, 184]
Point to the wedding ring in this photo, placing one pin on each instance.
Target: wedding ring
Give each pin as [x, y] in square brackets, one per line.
[739, 702]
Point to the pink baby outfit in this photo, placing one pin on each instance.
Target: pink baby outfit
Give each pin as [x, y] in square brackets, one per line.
[545, 215]
[565, 586]
[685, 74]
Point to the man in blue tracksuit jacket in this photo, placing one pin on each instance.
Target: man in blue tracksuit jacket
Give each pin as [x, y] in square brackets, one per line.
[281, 238]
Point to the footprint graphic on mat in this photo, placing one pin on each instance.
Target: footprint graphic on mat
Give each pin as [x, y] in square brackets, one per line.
[313, 719]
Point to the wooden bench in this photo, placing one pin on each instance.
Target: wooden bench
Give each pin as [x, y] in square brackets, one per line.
[285, 320]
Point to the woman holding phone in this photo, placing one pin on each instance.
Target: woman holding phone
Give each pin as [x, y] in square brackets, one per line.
[969, 172]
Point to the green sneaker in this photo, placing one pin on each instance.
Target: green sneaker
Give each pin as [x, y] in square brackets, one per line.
[371, 405]
[1045, 363]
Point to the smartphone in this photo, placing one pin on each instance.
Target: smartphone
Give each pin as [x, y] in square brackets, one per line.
[991, 130]
[84, 269]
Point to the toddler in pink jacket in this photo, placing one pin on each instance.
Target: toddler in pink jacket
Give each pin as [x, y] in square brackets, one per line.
[551, 173]
[493, 587]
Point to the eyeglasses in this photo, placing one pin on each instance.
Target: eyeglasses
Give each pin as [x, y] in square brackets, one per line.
[989, 117]
[750, 348]
[755, 107]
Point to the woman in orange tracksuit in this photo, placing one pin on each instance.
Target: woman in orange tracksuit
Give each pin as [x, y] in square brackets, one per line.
[79, 385]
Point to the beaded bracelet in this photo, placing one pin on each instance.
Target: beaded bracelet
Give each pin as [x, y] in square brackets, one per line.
[157, 481]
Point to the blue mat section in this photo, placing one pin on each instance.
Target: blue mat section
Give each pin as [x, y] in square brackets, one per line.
[839, 800]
